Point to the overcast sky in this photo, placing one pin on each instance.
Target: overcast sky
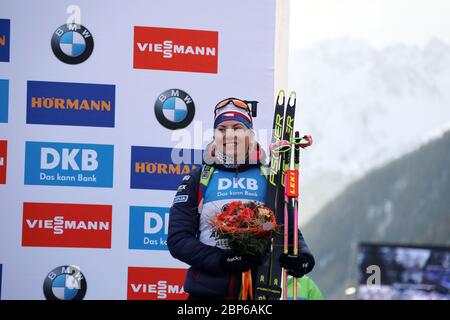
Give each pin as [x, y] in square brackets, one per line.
[379, 22]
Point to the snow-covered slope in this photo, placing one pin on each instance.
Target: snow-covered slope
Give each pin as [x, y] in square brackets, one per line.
[406, 201]
[364, 108]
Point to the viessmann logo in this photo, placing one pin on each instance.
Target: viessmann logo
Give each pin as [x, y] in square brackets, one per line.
[156, 284]
[66, 225]
[175, 49]
[3, 160]
[74, 104]
[69, 164]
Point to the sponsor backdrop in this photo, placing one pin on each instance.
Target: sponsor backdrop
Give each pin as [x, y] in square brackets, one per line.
[104, 107]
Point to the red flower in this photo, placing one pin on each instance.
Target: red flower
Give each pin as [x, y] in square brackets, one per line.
[239, 218]
[246, 214]
[231, 207]
[228, 210]
[233, 221]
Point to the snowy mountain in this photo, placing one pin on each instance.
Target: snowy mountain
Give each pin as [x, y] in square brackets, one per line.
[404, 202]
[364, 107]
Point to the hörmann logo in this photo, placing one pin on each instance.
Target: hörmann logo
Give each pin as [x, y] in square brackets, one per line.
[4, 39]
[69, 164]
[161, 168]
[156, 284]
[73, 104]
[175, 49]
[66, 225]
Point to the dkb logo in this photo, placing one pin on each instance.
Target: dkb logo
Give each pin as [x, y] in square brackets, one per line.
[148, 228]
[238, 183]
[68, 164]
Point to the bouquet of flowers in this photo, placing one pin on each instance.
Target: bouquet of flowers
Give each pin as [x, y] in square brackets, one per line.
[248, 228]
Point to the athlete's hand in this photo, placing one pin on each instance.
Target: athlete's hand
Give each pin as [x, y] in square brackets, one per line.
[297, 266]
[234, 262]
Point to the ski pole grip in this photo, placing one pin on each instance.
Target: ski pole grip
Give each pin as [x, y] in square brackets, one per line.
[280, 147]
[297, 148]
[306, 141]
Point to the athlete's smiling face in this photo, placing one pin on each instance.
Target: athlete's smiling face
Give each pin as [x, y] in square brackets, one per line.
[233, 139]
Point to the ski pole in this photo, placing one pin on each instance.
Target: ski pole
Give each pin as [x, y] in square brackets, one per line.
[303, 143]
[286, 231]
[296, 167]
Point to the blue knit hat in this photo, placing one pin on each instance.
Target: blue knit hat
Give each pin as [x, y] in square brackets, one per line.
[233, 109]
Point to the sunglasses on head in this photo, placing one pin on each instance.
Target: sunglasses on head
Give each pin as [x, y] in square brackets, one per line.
[249, 106]
[236, 102]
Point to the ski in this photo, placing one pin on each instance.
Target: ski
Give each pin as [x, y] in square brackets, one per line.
[268, 279]
[264, 289]
[282, 211]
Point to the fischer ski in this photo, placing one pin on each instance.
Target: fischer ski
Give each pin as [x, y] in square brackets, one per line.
[268, 279]
[262, 287]
[276, 273]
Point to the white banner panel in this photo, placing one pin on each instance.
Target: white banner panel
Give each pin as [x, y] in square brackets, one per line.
[90, 113]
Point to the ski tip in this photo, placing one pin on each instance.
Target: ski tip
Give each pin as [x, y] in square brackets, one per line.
[281, 97]
[292, 99]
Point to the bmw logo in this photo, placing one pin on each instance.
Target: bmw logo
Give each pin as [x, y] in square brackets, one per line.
[174, 109]
[72, 43]
[65, 283]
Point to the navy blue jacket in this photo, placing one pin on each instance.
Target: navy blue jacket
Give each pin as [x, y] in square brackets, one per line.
[206, 276]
